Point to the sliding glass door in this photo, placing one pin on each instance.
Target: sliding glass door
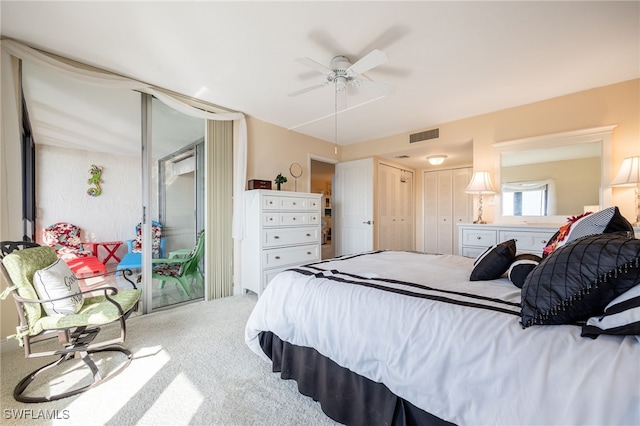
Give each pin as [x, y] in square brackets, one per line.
[175, 206]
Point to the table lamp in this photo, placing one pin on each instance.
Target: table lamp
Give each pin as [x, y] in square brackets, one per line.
[629, 175]
[480, 184]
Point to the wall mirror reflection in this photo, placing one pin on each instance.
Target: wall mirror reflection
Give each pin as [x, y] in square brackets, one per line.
[547, 178]
[564, 180]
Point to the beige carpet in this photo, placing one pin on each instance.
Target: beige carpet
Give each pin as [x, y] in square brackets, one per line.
[191, 366]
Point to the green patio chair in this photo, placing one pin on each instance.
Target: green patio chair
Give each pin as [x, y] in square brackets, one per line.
[181, 270]
[21, 265]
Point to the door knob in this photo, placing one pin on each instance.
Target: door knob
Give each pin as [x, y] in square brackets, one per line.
[368, 222]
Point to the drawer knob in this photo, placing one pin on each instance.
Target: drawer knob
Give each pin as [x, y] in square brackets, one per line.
[271, 219]
[275, 237]
[294, 203]
[309, 253]
[479, 237]
[544, 241]
[294, 218]
[277, 257]
[308, 235]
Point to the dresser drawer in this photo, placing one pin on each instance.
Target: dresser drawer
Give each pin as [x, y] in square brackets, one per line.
[299, 255]
[296, 203]
[289, 219]
[270, 219]
[270, 202]
[527, 241]
[288, 236]
[479, 237]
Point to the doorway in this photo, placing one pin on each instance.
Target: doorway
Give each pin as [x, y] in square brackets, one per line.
[322, 182]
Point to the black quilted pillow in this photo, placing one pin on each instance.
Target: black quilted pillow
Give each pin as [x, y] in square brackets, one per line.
[579, 279]
[494, 261]
[522, 265]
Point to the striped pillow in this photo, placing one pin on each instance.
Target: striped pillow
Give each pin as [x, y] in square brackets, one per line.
[603, 222]
[621, 316]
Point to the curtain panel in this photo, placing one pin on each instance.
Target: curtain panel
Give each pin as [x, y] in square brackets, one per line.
[96, 77]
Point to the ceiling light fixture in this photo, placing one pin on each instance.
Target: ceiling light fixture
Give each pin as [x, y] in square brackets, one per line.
[436, 160]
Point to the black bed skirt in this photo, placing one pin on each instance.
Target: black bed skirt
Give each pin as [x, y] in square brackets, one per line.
[344, 396]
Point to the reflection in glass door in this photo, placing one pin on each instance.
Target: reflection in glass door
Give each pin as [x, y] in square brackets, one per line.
[175, 202]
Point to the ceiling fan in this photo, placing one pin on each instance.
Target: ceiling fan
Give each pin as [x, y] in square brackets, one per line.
[342, 74]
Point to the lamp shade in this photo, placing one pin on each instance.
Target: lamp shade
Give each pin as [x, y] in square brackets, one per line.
[629, 173]
[480, 183]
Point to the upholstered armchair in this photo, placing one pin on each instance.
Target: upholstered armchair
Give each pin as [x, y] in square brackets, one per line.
[51, 306]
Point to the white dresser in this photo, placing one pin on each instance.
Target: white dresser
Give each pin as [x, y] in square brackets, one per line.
[282, 230]
[473, 239]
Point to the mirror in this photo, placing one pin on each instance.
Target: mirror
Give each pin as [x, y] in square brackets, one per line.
[556, 181]
[553, 176]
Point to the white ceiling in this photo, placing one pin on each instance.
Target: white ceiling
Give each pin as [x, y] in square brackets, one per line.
[447, 60]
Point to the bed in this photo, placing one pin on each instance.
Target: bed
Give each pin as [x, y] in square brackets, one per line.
[392, 337]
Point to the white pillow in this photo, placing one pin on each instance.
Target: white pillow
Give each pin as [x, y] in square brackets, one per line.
[56, 281]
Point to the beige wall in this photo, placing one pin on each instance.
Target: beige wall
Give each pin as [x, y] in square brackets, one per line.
[617, 104]
[272, 150]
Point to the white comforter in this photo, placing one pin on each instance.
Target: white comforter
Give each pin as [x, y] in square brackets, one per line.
[463, 364]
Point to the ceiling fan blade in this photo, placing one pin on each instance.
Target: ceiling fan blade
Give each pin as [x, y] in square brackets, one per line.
[307, 89]
[313, 64]
[371, 60]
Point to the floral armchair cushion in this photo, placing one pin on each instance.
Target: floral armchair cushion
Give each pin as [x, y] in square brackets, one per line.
[156, 229]
[65, 240]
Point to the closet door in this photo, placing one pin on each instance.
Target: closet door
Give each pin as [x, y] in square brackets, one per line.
[387, 209]
[445, 212]
[445, 204]
[430, 200]
[406, 222]
[395, 208]
[462, 202]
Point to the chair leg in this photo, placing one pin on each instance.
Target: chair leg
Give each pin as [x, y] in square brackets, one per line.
[183, 285]
[21, 387]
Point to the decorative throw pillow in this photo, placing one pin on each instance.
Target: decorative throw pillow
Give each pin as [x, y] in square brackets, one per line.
[602, 222]
[57, 281]
[579, 279]
[621, 316]
[494, 261]
[521, 266]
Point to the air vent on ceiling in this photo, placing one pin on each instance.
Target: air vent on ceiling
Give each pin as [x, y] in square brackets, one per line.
[423, 136]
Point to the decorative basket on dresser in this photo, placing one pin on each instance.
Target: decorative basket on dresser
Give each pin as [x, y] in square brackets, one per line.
[473, 239]
[282, 230]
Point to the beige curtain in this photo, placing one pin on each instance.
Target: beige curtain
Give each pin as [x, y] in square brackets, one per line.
[219, 208]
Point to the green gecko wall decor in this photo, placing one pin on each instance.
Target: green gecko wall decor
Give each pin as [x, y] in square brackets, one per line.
[95, 179]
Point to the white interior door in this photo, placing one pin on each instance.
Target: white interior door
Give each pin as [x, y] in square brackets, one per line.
[353, 206]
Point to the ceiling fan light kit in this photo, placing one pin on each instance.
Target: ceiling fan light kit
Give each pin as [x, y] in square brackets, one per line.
[341, 72]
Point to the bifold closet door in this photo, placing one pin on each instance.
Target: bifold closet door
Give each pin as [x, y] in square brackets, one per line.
[395, 208]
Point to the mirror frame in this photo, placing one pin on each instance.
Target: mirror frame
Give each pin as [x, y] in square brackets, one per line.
[596, 134]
